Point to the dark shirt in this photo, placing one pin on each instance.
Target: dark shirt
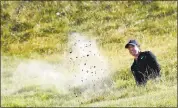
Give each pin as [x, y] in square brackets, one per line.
[145, 67]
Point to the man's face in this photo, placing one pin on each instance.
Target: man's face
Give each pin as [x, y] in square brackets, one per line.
[133, 50]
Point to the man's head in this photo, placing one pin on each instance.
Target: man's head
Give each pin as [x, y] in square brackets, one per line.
[133, 47]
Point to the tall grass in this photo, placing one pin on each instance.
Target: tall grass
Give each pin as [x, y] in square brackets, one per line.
[36, 29]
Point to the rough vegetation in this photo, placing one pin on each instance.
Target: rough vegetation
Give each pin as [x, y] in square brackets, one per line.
[35, 29]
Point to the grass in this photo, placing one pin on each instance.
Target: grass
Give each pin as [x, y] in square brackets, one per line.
[32, 30]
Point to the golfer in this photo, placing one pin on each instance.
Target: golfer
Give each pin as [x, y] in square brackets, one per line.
[145, 65]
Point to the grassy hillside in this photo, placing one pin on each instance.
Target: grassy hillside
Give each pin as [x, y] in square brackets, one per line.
[34, 29]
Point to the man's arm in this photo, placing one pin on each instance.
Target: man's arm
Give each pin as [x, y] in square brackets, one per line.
[139, 78]
[153, 63]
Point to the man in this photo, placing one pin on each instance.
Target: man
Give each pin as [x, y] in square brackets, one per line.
[145, 65]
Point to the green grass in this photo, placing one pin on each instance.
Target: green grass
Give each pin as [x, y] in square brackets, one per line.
[32, 30]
